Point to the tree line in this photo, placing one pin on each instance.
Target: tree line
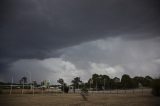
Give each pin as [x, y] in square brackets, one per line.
[99, 82]
[104, 82]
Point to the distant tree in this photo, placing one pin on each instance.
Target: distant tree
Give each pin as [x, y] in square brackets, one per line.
[156, 87]
[42, 83]
[137, 81]
[148, 78]
[61, 81]
[144, 81]
[48, 84]
[147, 81]
[35, 83]
[76, 82]
[111, 84]
[90, 83]
[64, 86]
[95, 77]
[105, 80]
[126, 81]
[1, 91]
[135, 84]
[96, 81]
[116, 83]
[23, 80]
[99, 82]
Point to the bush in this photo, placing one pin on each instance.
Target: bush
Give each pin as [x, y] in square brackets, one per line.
[0, 90]
[156, 87]
[84, 89]
[66, 89]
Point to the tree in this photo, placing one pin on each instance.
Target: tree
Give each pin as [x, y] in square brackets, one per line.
[64, 86]
[35, 83]
[144, 81]
[61, 81]
[103, 82]
[105, 79]
[23, 80]
[126, 81]
[116, 83]
[76, 82]
[100, 82]
[156, 87]
[96, 81]
[147, 81]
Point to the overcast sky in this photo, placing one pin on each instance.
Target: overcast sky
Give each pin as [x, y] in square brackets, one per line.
[54, 39]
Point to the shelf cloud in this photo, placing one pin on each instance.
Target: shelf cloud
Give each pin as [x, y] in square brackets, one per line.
[87, 36]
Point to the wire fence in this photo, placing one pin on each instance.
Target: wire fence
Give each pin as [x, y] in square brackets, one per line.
[140, 91]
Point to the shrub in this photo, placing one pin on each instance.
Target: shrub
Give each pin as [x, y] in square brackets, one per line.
[66, 89]
[156, 87]
[84, 89]
[0, 90]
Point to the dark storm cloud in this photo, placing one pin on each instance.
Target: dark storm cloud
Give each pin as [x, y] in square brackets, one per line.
[37, 28]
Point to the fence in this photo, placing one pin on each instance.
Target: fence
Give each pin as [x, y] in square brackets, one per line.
[141, 91]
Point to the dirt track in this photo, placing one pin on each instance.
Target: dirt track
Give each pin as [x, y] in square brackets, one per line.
[76, 100]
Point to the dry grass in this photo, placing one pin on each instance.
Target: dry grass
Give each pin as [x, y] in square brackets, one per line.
[100, 99]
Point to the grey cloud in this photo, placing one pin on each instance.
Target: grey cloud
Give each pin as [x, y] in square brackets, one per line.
[112, 56]
[135, 57]
[30, 28]
[47, 69]
[39, 28]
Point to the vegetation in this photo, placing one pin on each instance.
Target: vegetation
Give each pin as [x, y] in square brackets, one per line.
[23, 80]
[84, 89]
[156, 87]
[64, 86]
[126, 81]
[84, 93]
[97, 82]
[76, 82]
[0, 90]
[104, 82]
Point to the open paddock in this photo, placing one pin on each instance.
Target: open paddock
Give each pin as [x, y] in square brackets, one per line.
[101, 98]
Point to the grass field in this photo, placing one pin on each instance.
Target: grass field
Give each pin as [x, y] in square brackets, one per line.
[94, 99]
